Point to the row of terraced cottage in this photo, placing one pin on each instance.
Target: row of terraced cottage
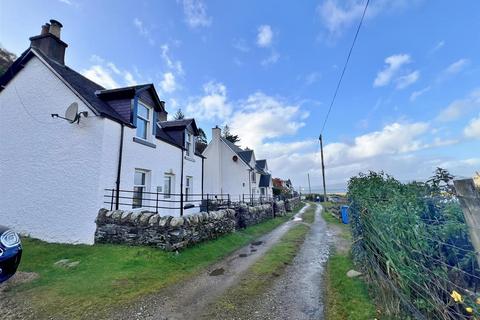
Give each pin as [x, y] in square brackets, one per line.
[116, 150]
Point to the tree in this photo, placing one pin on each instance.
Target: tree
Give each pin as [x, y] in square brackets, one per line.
[201, 142]
[6, 60]
[233, 138]
[441, 181]
[179, 115]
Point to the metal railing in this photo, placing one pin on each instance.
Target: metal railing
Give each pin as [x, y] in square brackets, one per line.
[156, 201]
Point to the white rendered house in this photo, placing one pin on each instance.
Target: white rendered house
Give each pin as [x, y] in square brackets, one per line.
[232, 170]
[53, 173]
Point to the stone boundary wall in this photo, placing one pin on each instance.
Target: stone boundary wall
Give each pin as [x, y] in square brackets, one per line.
[291, 203]
[173, 233]
[167, 232]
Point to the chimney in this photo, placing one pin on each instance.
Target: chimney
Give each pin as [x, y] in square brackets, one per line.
[49, 42]
[216, 133]
[162, 115]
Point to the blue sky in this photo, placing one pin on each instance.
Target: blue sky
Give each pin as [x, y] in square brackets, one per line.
[410, 100]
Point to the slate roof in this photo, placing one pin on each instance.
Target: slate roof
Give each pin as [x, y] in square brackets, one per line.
[182, 123]
[245, 155]
[261, 164]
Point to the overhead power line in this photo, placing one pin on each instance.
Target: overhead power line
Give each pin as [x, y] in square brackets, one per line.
[345, 66]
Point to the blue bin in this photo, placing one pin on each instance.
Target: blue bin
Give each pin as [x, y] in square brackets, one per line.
[344, 211]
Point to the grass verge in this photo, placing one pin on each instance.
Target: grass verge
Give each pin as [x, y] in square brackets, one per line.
[346, 298]
[109, 275]
[261, 275]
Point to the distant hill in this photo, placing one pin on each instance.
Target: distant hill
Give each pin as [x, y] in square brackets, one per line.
[6, 60]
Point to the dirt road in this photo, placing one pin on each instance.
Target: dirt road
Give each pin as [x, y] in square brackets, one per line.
[297, 294]
[188, 300]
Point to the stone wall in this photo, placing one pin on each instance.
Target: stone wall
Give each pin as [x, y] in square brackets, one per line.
[172, 233]
[247, 215]
[167, 232]
[291, 203]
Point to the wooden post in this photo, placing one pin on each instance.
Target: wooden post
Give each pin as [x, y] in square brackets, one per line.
[470, 203]
[323, 171]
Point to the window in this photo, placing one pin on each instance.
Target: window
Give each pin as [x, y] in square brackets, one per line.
[188, 142]
[262, 191]
[254, 176]
[139, 188]
[188, 188]
[143, 121]
[167, 187]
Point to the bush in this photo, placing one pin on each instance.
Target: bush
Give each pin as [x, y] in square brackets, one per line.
[414, 245]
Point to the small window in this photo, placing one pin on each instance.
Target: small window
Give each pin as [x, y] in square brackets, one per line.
[143, 121]
[188, 143]
[254, 176]
[167, 187]
[139, 188]
[188, 188]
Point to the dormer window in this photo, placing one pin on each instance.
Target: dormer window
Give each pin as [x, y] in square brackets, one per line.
[188, 143]
[143, 121]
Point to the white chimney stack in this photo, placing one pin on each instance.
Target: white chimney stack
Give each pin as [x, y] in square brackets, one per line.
[216, 133]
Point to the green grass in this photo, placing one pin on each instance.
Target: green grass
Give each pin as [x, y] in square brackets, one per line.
[346, 298]
[261, 275]
[109, 275]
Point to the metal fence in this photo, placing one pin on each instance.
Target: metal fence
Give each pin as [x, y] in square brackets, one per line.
[158, 201]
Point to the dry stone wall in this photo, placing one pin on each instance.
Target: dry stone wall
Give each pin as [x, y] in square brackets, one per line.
[173, 233]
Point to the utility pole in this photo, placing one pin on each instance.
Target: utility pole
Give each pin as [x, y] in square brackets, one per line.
[323, 170]
[309, 187]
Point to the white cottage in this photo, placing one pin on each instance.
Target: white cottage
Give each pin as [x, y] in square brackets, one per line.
[54, 173]
[232, 170]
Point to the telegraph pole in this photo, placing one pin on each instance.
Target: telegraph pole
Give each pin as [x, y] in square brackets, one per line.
[309, 187]
[323, 170]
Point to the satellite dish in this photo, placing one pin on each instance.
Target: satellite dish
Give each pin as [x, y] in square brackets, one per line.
[71, 114]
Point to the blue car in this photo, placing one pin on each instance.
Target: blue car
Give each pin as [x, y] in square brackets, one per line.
[10, 253]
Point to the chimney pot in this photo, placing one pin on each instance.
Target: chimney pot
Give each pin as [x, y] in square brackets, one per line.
[55, 28]
[45, 29]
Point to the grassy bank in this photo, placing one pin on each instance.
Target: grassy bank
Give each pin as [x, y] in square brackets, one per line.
[346, 298]
[261, 275]
[109, 275]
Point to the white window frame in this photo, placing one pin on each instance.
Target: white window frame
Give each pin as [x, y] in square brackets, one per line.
[254, 177]
[147, 121]
[188, 143]
[167, 192]
[188, 187]
[143, 186]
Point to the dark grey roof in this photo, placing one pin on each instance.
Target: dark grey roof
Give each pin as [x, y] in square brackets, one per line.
[265, 181]
[246, 155]
[182, 123]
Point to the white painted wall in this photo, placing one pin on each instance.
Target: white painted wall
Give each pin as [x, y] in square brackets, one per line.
[222, 174]
[50, 170]
[164, 158]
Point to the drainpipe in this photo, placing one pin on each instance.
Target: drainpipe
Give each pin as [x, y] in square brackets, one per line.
[249, 184]
[181, 188]
[119, 169]
[202, 174]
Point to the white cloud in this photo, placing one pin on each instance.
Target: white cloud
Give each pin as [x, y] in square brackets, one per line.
[175, 65]
[394, 63]
[213, 105]
[337, 15]
[261, 117]
[457, 66]
[418, 93]
[143, 30]
[271, 59]
[196, 13]
[408, 79]
[312, 78]
[241, 45]
[460, 106]
[264, 36]
[438, 46]
[107, 74]
[168, 83]
[472, 130]
[100, 75]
